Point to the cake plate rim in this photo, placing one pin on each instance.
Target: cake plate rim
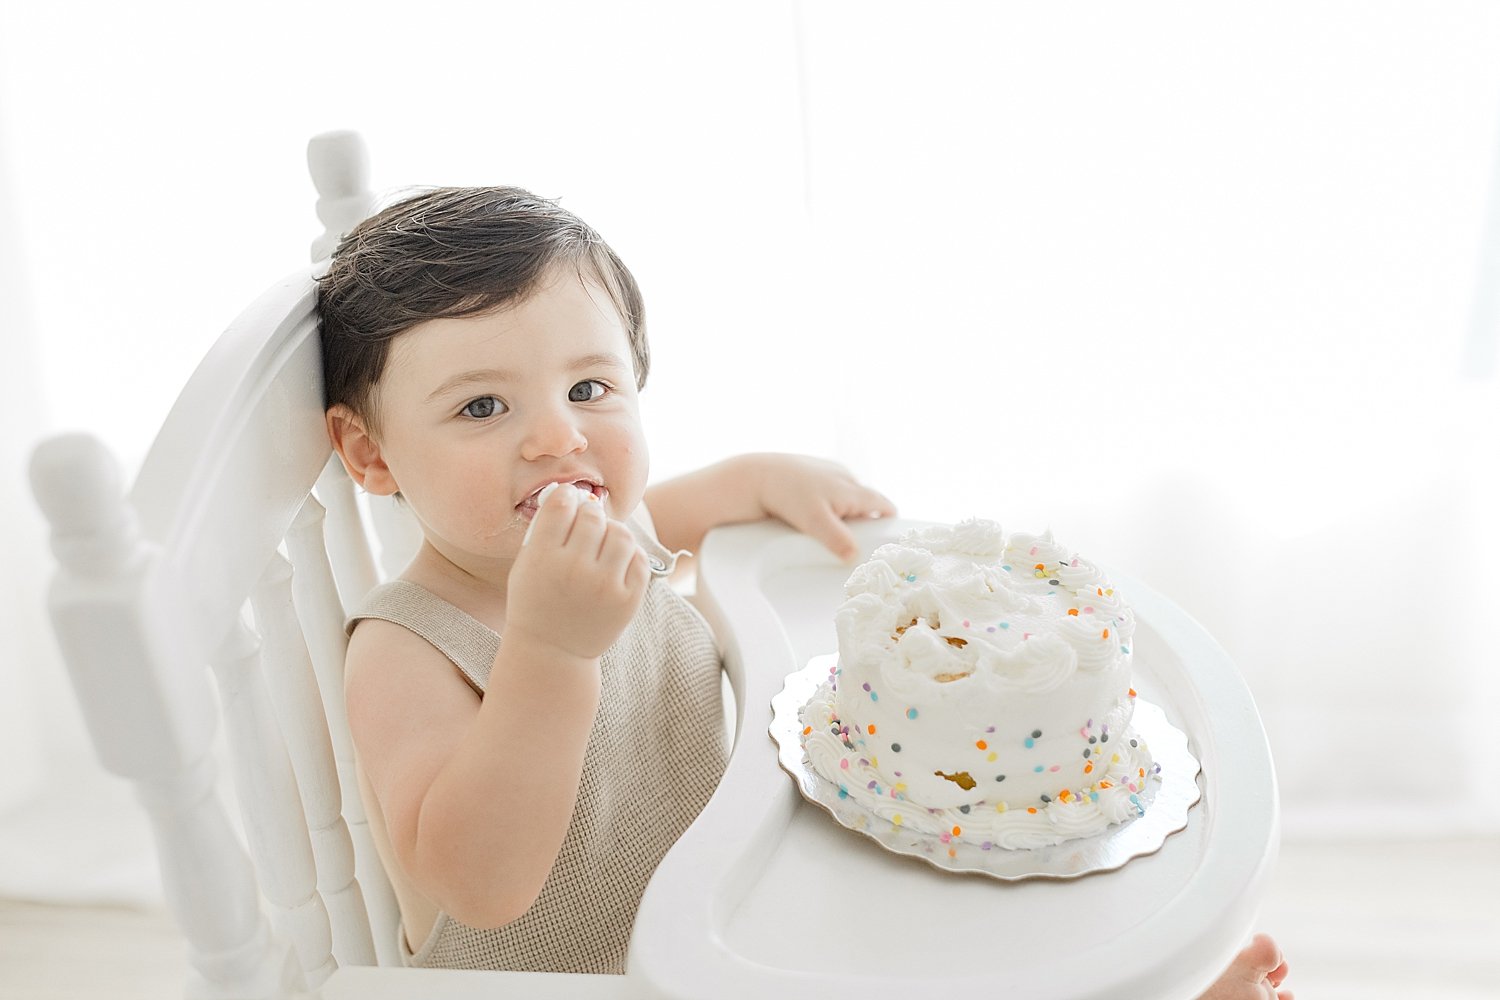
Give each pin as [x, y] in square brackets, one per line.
[1169, 802]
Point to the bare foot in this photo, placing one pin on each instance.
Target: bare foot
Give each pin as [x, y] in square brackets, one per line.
[1255, 974]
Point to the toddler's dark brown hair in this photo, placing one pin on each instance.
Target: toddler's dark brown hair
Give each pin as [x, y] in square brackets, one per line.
[451, 252]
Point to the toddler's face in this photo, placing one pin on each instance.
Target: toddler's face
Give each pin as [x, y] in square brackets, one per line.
[482, 412]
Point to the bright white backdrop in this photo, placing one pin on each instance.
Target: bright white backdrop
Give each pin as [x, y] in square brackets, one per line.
[1199, 289]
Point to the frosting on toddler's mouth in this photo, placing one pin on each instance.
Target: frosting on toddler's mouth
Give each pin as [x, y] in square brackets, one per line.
[586, 489]
[531, 504]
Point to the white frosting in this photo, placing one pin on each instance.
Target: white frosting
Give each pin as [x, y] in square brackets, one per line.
[983, 683]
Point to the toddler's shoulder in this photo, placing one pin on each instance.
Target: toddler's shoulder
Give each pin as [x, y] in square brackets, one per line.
[391, 664]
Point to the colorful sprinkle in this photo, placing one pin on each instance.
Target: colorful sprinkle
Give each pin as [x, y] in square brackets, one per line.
[911, 713]
[1073, 612]
[981, 744]
[872, 729]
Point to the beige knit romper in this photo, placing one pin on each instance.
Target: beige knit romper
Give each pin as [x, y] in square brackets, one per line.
[655, 754]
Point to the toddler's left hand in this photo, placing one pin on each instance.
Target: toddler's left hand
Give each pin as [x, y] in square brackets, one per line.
[816, 496]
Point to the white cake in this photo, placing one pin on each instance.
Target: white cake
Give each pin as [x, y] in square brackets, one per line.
[982, 691]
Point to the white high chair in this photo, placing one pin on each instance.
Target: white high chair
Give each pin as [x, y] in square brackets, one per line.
[240, 546]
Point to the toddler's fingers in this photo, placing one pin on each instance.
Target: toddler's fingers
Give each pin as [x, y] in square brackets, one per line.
[638, 572]
[617, 548]
[554, 516]
[827, 527]
[870, 503]
[588, 528]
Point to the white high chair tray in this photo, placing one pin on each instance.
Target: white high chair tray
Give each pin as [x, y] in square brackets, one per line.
[765, 895]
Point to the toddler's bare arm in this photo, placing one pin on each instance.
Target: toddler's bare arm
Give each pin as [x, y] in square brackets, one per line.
[477, 796]
[813, 495]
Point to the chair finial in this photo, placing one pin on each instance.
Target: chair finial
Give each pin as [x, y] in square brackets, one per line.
[79, 486]
[340, 167]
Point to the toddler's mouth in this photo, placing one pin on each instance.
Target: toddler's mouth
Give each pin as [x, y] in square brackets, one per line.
[591, 490]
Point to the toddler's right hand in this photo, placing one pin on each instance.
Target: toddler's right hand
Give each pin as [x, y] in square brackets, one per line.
[578, 579]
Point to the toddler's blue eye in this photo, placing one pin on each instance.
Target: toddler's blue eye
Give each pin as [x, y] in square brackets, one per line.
[587, 391]
[484, 406]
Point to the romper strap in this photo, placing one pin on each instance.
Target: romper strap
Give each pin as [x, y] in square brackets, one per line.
[465, 640]
[469, 643]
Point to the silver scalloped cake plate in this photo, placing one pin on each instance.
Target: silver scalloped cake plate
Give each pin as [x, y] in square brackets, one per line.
[1166, 801]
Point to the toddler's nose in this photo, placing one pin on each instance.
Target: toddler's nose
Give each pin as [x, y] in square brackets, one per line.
[552, 434]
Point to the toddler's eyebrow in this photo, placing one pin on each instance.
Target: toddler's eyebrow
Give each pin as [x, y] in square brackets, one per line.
[490, 376]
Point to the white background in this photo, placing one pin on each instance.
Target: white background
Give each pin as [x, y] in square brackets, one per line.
[1210, 293]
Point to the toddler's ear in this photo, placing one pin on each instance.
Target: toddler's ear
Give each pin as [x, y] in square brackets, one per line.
[359, 452]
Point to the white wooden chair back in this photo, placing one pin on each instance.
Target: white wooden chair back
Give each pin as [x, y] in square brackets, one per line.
[239, 548]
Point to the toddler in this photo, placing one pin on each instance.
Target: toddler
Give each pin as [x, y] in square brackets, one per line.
[480, 345]
[483, 351]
